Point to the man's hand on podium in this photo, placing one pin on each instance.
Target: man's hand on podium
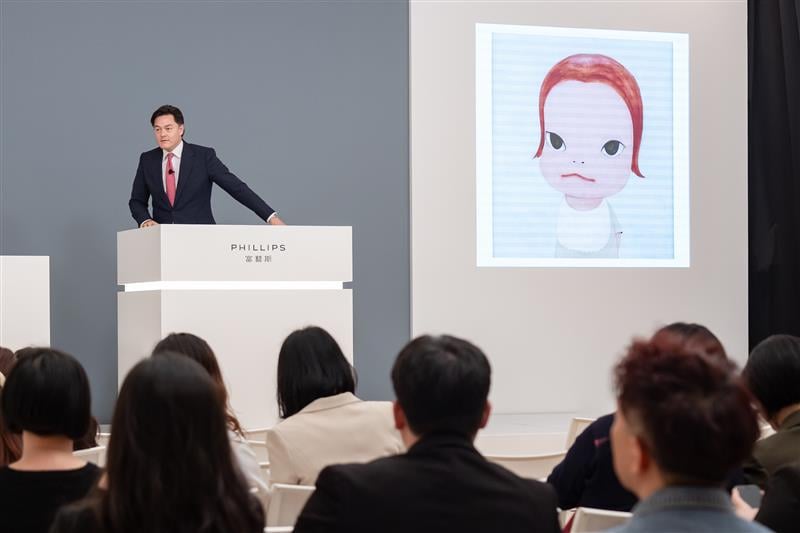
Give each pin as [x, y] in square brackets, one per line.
[275, 221]
[147, 223]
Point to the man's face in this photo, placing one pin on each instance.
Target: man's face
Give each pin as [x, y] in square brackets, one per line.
[588, 144]
[168, 132]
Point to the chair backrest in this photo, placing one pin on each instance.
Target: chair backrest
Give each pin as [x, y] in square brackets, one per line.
[286, 529]
[576, 427]
[286, 503]
[259, 434]
[103, 438]
[590, 520]
[519, 443]
[96, 455]
[259, 447]
[529, 466]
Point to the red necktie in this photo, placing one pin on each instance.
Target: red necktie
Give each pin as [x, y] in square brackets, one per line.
[170, 179]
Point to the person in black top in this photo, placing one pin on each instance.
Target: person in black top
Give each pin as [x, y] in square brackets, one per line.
[780, 508]
[442, 484]
[46, 398]
[169, 464]
[586, 477]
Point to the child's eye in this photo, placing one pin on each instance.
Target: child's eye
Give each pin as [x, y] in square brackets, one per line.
[613, 148]
[555, 142]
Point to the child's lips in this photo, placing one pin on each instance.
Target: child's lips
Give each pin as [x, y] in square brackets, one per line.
[576, 175]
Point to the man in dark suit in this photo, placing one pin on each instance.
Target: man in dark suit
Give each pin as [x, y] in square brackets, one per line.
[442, 484]
[178, 177]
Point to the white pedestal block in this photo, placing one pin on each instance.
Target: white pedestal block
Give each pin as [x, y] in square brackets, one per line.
[24, 301]
[205, 280]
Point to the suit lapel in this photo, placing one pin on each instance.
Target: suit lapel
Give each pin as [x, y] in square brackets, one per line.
[185, 172]
[155, 169]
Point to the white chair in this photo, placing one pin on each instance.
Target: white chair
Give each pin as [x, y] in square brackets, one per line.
[259, 434]
[96, 455]
[519, 443]
[278, 529]
[286, 503]
[260, 449]
[576, 427]
[103, 438]
[529, 466]
[590, 520]
[264, 466]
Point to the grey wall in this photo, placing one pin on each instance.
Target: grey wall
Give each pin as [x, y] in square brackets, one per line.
[306, 101]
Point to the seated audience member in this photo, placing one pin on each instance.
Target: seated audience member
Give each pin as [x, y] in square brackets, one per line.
[683, 422]
[7, 360]
[169, 465]
[87, 440]
[197, 349]
[772, 374]
[46, 398]
[442, 484]
[780, 506]
[10, 445]
[324, 422]
[586, 478]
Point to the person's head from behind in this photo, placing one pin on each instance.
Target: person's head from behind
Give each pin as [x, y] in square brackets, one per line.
[772, 374]
[442, 385]
[695, 338]
[7, 360]
[169, 453]
[311, 365]
[10, 446]
[47, 394]
[167, 122]
[199, 351]
[683, 417]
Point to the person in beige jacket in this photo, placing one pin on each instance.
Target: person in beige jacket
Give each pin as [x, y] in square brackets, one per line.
[324, 422]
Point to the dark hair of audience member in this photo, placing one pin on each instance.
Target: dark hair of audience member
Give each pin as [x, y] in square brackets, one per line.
[772, 373]
[442, 384]
[311, 365]
[198, 349]
[47, 393]
[689, 406]
[10, 444]
[89, 439]
[696, 338]
[7, 360]
[169, 463]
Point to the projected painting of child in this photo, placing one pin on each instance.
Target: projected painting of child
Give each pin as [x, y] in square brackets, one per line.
[591, 121]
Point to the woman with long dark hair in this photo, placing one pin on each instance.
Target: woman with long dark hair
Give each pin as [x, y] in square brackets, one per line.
[324, 422]
[199, 351]
[169, 465]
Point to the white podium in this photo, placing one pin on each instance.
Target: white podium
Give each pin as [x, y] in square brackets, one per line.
[24, 301]
[241, 288]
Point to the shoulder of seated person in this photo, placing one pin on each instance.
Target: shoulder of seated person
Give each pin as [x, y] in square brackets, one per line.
[80, 516]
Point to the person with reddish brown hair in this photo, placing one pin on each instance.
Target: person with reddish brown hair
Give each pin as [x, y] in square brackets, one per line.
[586, 478]
[684, 421]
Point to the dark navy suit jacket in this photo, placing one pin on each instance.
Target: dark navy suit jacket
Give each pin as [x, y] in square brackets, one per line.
[199, 170]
